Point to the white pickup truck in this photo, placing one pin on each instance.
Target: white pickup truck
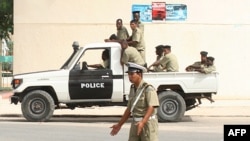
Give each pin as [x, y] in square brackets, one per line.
[76, 85]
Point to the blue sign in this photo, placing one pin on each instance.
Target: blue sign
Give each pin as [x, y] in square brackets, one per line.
[145, 12]
[176, 12]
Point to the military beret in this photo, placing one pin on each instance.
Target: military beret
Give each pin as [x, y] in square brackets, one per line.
[136, 12]
[203, 53]
[133, 67]
[113, 37]
[166, 46]
[159, 47]
[210, 58]
[133, 21]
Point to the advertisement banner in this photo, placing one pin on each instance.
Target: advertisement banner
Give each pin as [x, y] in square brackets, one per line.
[158, 11]
[176, 12]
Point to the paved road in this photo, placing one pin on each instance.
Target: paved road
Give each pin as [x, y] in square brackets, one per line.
[202, 123]
[192, 128]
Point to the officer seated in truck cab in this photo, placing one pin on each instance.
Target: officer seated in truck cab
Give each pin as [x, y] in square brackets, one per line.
[105, 61]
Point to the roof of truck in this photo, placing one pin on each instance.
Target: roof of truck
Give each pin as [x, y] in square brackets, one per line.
[101, 45]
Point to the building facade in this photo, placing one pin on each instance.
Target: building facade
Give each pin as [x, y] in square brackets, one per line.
[44, 31]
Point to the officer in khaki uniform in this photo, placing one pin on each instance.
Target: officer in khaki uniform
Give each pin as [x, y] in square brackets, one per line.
[208, 67]
[160, 54]
[122, 32]
[130, 54]
[137, 39]
[142, 104]
[198, 64]
[105, 61]
[136, 17]
[169, 62]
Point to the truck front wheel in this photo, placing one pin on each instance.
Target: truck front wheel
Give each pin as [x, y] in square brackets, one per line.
[37, 106]
[172, 106]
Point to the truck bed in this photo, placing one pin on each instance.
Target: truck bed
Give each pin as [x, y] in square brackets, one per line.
[189, 82]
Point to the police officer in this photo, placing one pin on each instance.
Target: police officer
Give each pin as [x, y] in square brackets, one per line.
[137, 39]
[160, 54]
[122, 32]
[105, 61]
[198, 64]
[208, 67]
[169, 62]
[142, 104]
[136, 17]
[130, 54]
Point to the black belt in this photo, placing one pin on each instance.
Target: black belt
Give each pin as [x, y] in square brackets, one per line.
[137, 119]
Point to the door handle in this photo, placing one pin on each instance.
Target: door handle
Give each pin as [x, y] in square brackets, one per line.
[105, 76]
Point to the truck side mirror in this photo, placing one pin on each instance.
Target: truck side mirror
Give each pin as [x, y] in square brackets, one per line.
[84, 66]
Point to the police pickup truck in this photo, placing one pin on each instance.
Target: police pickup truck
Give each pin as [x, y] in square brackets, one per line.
[77, 85]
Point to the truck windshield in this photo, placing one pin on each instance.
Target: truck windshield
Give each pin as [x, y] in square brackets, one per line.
[72, 59]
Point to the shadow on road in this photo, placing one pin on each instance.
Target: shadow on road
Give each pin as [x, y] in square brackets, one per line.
[77, 118]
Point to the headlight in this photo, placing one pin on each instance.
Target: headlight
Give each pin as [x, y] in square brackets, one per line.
[16, 83]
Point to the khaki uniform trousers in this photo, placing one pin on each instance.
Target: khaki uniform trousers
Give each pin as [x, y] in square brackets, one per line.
[142, 52]
[149, 132]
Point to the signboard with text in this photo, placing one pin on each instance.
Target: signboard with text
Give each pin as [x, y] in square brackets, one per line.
[160, 11]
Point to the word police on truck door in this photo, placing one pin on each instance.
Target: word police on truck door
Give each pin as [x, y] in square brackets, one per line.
[92, 85]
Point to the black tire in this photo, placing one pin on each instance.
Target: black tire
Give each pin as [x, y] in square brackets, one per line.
[172, 107]
[38, 106]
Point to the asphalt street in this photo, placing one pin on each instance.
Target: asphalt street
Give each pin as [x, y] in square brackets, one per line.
[236, 108]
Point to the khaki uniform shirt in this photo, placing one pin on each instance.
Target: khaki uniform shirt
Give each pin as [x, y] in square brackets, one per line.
[198, 64]
[170, 63]
[105, 64]
[141, 27]
[209, 69]
[130, 54]
[158, 68]
[137, 35]
[122, 33]
[148, 98]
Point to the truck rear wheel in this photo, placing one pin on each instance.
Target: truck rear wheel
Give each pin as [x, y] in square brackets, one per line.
[172, 106]
[37, 106]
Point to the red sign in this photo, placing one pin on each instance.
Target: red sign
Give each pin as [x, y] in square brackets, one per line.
[158, 11]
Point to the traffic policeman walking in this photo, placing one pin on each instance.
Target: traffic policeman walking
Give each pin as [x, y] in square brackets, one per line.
[142, 104]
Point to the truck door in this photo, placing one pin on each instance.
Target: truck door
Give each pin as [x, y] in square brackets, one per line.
[91, 84]
[91, 81]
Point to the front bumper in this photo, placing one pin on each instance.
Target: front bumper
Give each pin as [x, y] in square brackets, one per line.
[14, 99]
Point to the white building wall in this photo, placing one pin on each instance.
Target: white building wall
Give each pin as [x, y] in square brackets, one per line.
[44, 31]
